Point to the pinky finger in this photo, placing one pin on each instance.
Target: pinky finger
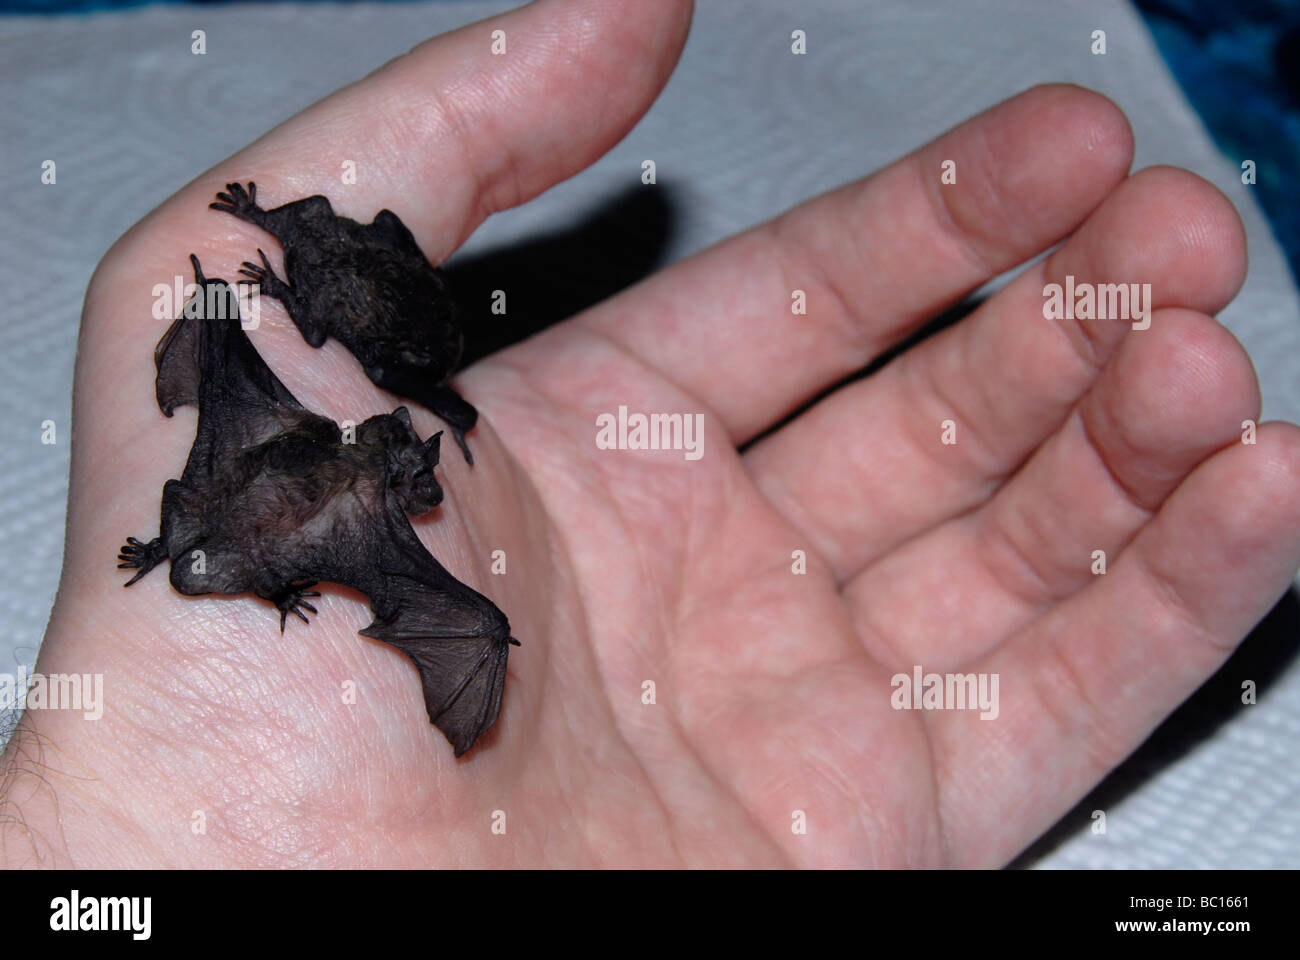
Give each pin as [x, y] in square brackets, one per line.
[1082, 687]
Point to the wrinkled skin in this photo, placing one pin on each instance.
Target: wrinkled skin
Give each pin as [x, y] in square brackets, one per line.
[772, 689]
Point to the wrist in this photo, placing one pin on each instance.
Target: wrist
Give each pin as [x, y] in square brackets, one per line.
[68, 797]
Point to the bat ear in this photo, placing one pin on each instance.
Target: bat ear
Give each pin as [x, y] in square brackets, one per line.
[432, 449]
[198, 271]
[401, 413]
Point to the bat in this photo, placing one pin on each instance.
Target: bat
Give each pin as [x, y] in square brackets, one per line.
[277, 502]
[369, 287]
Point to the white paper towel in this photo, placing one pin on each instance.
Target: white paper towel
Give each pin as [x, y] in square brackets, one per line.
[743, 131]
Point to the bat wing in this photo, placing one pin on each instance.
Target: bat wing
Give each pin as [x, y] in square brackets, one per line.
[463, 680]
[459, 642]
[458, 639]
[206, 358]
[177, 358]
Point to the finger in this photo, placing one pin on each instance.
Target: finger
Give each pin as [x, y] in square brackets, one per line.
[1171, 397]
[866, 468]
[875, 258]
[1083, 686]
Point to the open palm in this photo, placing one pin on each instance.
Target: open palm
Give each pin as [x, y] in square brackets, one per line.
[768, 595]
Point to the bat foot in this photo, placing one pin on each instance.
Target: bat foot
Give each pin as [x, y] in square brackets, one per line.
[459, 436]
[293, 599]
[141, 557]
[265, 277]
[239, 202]
[459, 416]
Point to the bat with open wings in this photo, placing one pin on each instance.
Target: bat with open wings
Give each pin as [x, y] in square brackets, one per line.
[277, 502]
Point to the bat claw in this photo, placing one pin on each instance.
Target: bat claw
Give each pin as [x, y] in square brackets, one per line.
[459, 436]
[140, 556]
[264, 275]
[239, 202]
[292, 599]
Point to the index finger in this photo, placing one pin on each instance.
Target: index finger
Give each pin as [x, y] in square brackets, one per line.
[874, 259]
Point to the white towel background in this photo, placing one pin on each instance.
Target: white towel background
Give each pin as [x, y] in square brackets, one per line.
[743, 131]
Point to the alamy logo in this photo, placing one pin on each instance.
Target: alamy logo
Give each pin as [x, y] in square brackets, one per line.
[75, 912]
[218, 302]
[57, 691]
[1098, 301]
[946, 691]
[655, 431]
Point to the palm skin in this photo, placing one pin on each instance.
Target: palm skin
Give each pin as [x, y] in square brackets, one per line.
[772, 688]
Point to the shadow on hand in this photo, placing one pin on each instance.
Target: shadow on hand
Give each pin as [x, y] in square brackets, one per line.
[551, 277]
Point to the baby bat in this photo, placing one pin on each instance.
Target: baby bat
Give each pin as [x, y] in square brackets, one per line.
[277, 502]
[369, 287]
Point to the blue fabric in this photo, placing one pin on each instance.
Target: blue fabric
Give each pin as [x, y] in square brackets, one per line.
[1239, 65]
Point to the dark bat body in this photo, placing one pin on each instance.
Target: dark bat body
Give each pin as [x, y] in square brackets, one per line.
[369, 287]
[277, 502]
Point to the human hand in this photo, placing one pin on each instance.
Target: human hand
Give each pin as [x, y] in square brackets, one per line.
[773, 689]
